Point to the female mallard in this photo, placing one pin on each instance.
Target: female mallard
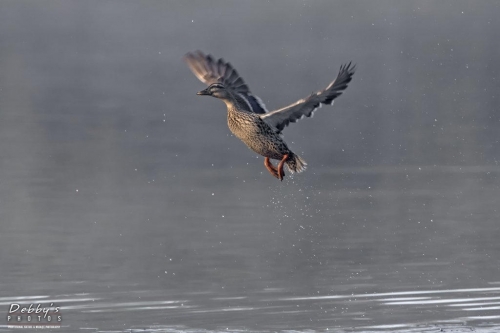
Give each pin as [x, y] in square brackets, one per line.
[247, 116]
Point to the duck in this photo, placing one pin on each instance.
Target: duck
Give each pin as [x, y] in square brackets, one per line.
[247, 116]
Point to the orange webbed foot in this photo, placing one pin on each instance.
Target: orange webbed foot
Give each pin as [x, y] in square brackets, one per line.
[281, 173]
[270, 167]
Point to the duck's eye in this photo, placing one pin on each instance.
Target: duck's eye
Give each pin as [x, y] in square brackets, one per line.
[216, 87]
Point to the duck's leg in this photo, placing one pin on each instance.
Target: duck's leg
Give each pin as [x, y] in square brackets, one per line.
[281, 173]
[270, 167]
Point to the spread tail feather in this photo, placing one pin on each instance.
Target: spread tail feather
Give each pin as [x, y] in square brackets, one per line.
[295, 164]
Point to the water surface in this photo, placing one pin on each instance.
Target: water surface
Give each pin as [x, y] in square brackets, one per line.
[347, 249]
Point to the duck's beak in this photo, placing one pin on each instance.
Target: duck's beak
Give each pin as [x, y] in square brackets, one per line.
[203, 92]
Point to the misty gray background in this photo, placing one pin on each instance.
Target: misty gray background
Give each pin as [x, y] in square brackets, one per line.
[125, 200]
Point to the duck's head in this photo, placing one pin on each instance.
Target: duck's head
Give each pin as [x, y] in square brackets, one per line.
[217, 90]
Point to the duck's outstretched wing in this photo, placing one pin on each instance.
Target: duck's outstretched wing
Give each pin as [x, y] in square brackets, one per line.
[208, 70]
[279, 119]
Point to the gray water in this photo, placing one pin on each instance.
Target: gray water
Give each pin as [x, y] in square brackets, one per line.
[125, 201]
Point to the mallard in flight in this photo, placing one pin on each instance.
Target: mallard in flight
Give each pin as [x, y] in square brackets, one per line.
[247, 116]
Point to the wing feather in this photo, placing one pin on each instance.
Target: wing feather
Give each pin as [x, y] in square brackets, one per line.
[305, 107]
[208, 70]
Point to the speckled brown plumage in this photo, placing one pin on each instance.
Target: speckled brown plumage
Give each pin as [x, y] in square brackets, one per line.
[259, 137]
